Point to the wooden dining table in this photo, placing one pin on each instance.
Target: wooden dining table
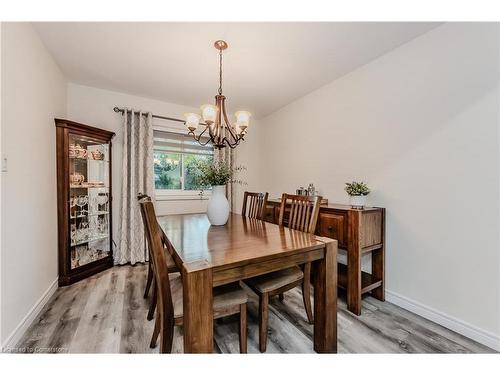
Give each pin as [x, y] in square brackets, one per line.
[210, 256]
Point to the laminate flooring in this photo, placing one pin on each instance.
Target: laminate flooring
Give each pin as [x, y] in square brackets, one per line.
[106, 313]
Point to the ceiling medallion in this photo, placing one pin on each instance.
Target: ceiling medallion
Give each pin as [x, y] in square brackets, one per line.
[220, 131]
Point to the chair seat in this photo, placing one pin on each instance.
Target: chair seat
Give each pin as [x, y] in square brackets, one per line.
[275, 280]
[171, 264]
[224, 296]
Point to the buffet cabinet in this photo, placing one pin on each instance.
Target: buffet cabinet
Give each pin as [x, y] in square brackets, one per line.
[358, 232]
[83, 200]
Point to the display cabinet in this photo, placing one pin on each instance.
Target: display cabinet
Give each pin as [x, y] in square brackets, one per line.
[84, 200]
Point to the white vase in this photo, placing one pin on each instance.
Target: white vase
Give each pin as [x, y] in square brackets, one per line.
[218, 206]
[357, 201]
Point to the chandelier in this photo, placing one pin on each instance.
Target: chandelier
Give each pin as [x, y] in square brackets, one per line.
[220, 131]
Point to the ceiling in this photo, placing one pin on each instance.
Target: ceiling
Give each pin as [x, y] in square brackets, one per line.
[266, 66]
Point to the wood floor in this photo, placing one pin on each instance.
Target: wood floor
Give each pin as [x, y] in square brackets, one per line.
[107, 314]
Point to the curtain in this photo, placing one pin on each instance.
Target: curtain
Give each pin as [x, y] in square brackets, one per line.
[227, 154]
[137, 177]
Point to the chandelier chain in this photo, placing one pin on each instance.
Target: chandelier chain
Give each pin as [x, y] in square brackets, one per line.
[220, 72]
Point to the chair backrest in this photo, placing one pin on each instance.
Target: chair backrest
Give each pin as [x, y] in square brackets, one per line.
[304, 212]
[255, 204]
[141, 196]
[154, 236]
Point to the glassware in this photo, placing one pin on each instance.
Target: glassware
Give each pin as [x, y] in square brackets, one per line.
[73, 233]
[88, 178]
[82, 200]
[85, 232]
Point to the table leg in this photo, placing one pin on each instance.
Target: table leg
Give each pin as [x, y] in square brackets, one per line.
[378, 273]
[354, 263]
[198, 309]
[378, 264]
[325, 301]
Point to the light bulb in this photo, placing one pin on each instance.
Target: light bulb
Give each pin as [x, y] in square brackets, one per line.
[192, 121]
[209, 113]
[242, 121]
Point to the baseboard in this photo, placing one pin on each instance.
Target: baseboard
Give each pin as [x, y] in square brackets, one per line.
[23, 326]
[489, 339]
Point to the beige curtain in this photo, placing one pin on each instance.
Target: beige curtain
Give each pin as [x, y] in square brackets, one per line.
[137, 177]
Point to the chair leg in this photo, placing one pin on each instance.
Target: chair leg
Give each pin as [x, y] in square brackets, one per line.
[243, 328]
[152, 307]
[281, 296]
[263, 321]
[149, 280]
[166, 337]
[156, 332]
[306, 292]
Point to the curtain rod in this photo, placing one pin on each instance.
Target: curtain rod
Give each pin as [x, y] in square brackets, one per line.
[122, 111]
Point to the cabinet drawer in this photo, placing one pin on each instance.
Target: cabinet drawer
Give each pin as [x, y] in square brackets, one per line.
[286, 216]
[334, 226]
[269, 214]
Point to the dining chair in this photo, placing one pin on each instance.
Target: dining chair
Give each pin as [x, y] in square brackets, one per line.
[255, 204]
[303, 215]
[150, 281]
[228, 299]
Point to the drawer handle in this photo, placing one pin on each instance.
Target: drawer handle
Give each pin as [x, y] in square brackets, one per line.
[330, 228]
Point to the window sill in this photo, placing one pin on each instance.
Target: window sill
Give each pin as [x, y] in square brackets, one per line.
[181, 197]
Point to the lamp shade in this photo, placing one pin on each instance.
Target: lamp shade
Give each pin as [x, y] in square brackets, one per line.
[242, 120]
[209, 113]
[192, 121]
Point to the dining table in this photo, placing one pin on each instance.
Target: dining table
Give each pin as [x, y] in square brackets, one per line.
[209, 256]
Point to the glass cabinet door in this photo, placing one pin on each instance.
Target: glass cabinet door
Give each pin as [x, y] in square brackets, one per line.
[89, 204]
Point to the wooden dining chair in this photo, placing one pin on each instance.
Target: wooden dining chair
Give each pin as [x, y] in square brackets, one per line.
[303, 216]
[255, 204]
[150, 281]
[228, 299]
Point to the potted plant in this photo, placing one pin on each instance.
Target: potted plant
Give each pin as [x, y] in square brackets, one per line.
[357, 193]
[215, 174]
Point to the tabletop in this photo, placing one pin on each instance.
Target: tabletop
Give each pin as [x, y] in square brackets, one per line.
[241, 240]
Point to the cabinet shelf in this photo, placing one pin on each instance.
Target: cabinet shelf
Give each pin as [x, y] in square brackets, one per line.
[87, 187]
[89, 159]
[90, 215]
[368, 282]
[97, 238]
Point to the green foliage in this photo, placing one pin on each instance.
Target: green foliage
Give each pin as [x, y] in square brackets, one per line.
[357, 188]
[212, 173]
[192, 173]
[167, 170]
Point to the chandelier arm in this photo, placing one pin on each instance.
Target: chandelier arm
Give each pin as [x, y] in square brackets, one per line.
[231, 145]
[210, 131]
[228, 124]
[220, 105]
[199, 136]
[235, 137]
[204, 144]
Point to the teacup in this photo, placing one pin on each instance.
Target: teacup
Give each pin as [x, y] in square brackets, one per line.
[76, 178]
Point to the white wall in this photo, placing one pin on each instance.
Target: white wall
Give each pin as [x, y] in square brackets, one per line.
[33, 93]
[420, 125]
[1, 151]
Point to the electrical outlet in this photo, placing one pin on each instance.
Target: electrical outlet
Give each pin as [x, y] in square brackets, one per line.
[4, 163]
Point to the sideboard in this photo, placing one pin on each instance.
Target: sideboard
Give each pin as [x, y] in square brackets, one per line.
[359, 232]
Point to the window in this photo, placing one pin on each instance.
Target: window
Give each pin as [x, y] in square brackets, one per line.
[175, 156]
